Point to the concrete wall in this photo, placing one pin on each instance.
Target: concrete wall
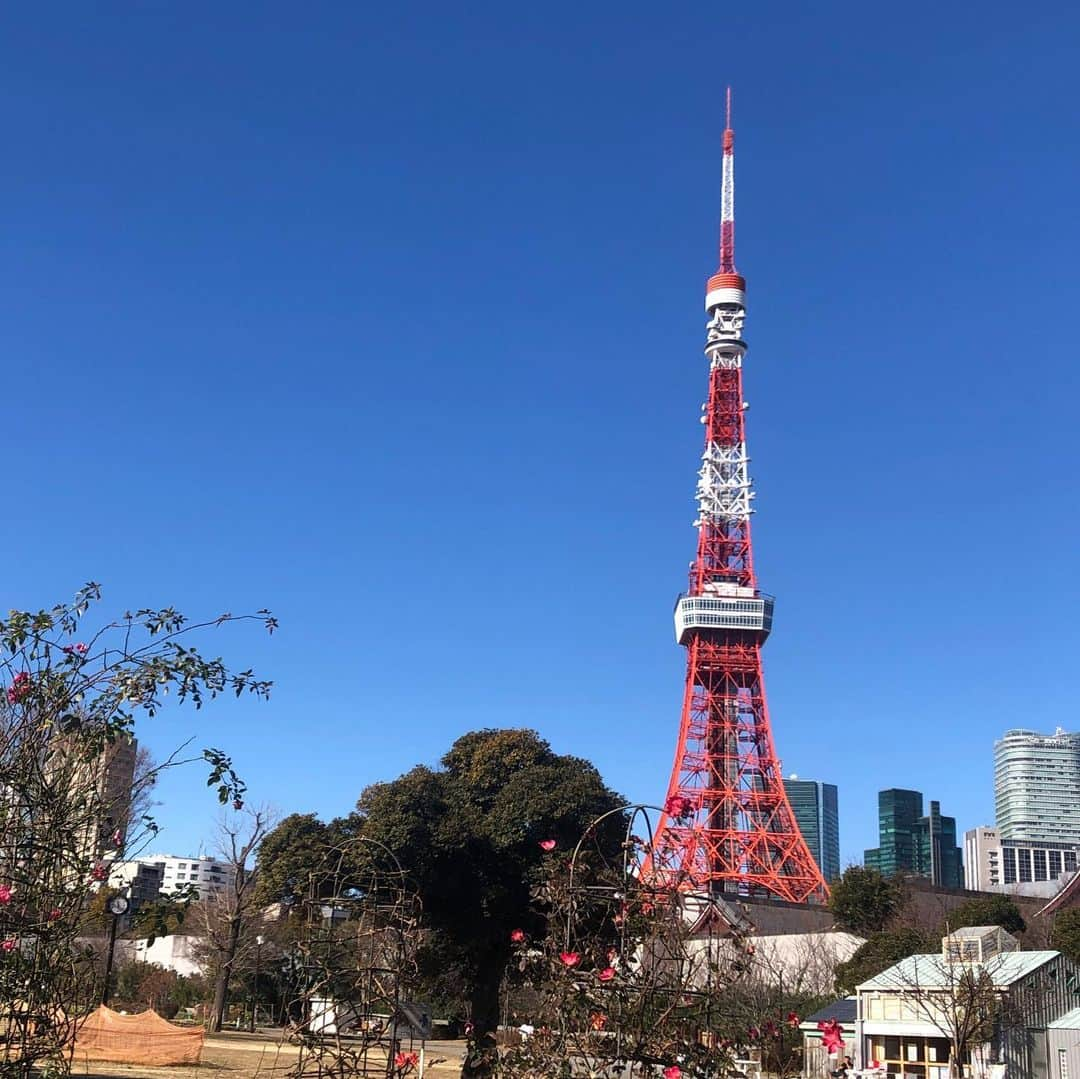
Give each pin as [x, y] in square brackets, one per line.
[174, 952]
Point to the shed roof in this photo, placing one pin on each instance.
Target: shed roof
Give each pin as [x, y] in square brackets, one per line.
[843, 1010]
[1069, 1021]
[932, 972]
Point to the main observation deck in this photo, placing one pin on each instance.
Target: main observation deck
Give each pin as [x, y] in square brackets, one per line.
[724, 607]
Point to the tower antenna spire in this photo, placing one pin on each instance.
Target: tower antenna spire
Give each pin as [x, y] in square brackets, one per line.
[727, 197]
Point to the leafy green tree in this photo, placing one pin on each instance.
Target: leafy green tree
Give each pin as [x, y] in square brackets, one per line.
[862, 901]
[469, 834]
[993, 910]
[879, 953]
[290, 854]
[1065, 936]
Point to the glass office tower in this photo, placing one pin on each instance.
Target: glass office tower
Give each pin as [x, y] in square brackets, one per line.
[816, 809]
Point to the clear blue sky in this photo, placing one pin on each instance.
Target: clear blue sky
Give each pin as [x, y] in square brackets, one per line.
[388, 317]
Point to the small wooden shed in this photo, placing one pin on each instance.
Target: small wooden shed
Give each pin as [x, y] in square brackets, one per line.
[816, 1062]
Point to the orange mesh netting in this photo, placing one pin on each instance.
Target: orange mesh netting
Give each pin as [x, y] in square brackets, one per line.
[145, 1038]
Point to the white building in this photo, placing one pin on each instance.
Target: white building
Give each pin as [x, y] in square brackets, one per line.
[982, 859]
[210, 876]
[1016, 866]
[141, 881]
[1037, 787]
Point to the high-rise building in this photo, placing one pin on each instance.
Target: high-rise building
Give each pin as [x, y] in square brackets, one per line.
[103, 785]
[816, 809]
[727, 824]
[1037, 786]
[911, 842]
[898, 816]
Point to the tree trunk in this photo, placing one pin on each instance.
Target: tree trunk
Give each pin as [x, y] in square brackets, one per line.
[224, 972]
[483, 1055]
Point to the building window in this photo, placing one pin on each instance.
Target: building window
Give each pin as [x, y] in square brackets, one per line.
[1055, 864]
[1040, 864]
[1025, 866]
[1063, 1064]
[1009, 856]
[1070, 861]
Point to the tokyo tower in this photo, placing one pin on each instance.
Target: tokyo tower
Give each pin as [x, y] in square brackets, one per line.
[727, 825]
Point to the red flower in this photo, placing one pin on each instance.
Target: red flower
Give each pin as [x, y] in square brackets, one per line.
[674, 1072]
[117, 838]
[606, 974]
[9, 944]
[5, 893]
[753, 1034]
[406, 1061]
[19, 688]
[517, 936]
[237, 804]
[832, 1037]
[73, 649]
[570, 959]
[598, 1020]
[547, 844]
[55, 914]
[792, 1019]
[98, 872]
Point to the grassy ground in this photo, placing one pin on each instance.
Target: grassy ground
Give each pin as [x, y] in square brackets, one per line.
[251, 1056]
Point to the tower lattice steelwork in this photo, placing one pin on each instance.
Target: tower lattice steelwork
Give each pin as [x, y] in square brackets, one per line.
[727, 824]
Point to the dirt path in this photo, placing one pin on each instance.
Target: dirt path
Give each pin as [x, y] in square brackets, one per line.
[254, 1056]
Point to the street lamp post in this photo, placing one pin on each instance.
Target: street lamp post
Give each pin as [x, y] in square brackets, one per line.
[118, 907]
[255, 982]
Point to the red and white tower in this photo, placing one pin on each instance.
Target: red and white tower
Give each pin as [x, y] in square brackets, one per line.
[727, 825]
